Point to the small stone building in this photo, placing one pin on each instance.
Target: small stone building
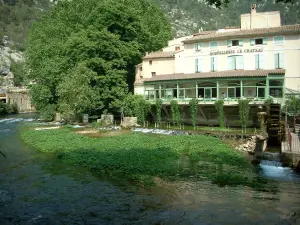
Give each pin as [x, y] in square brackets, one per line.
[21, 98]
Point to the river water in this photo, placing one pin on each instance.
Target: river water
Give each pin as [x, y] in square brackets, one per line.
[38, 188]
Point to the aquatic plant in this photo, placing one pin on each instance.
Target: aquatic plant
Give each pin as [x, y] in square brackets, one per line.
[141, 157]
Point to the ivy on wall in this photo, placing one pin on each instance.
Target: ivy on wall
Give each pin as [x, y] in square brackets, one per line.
[193, 107]
[158, 105]
[219, 105]
[175, 112]
[244, 109]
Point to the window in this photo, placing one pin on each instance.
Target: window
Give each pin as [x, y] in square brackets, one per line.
[258, 41]
[278, 60]
[153, 74]
[259, 61]
[150, 62]
[198, 46]
[141, 68]
[213, 64]
[276, 87]
[213, 44]
[198, 65]
[278, 40]
[177, 48]
[234, 43]
[235, 62]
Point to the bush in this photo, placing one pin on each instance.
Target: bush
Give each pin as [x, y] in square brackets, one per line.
[47, 113]
[6, 108]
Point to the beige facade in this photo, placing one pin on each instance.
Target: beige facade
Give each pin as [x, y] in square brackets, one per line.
[257, 61]
[18, 96]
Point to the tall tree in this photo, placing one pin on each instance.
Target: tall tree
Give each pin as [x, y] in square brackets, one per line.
[106, 37]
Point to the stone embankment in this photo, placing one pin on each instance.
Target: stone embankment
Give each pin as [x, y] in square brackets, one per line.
[254, 143]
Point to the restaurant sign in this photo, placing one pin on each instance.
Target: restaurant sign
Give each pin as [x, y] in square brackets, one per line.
[236, 51]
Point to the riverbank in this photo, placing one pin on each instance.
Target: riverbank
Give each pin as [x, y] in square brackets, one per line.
[146, 158]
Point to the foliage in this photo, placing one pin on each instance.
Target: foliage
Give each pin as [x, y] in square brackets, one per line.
[189, 16]
[106, 37]
[268, 103]
[158, 105]
[219, 105]
[175, 112]
[293, 105]
[136, 105]
[48, 113]
[193, 106]
[76, 83]
[6, 108]
[140, 157]
[16, 17]
[17, 68]
[244, 109]
[141, 109]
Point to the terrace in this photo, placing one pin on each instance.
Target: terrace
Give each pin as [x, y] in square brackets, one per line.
[209, 89]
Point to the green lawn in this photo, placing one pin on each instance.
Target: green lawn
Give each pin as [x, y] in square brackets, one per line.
[141, 157]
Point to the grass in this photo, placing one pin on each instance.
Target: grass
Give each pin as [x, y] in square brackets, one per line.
[141, 157]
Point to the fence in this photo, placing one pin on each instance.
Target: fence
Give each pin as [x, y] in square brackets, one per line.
[293, 141]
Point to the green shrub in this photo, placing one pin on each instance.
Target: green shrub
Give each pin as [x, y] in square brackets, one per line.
[48, 113]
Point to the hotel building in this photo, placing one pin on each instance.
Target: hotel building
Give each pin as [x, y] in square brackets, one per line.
[258, 60]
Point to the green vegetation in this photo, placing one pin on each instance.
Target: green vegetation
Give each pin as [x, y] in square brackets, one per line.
[104, 40]
[6, 108]
[16, 17]
[141, 157]
[193, 107]
[219, 105]
[158, 105]
[191, 15]
[175, 109]
[292, 105]
[244, 109]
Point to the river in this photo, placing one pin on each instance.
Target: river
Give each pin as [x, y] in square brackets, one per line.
[38, 188]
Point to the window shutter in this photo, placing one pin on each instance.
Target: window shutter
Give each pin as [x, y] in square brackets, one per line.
[241, 42]
[252, 42]
[199, 68]
[239, 62]
[212, 64]
[229, 43]
[196, 47]
[230, 62]
[265, 40]
[261, 61]
[216, 63]
[276, 62]
[196, 65]
[256, 61]
[281, 60]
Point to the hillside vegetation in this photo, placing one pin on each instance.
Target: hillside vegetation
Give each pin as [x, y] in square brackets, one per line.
[186, 16]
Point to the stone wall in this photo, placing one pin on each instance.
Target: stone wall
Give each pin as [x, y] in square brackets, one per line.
[21, 98]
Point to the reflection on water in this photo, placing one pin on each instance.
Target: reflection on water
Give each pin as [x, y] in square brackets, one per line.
[37, 188]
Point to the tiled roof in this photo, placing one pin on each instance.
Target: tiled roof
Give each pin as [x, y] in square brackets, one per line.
[221, 74]
[152, 55]
[288, 29]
